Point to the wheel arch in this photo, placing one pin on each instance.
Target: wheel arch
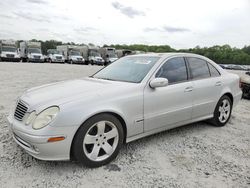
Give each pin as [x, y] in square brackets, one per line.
[229, 95]
[118, 116]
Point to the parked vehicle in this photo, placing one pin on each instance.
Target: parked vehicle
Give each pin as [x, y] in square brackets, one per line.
[89, 119]
[71, 54]
[54, 56]
[9, 51]
[108, 54]
[31, 52]
[91, 55]
[122, 53]
[245, 85]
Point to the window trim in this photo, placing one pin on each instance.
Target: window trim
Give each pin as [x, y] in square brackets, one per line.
[187, 71]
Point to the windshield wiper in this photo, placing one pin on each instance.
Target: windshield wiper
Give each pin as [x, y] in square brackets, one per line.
[106, 79]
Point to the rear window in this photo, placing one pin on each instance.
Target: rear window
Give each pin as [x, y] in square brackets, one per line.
[198, 67]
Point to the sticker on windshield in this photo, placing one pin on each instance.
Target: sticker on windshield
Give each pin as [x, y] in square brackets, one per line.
[143, 62]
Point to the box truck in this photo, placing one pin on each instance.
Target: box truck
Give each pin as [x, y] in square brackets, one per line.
[31, 52]
[91, 55]
[9, 51]
[54, 56]
[108, 54]
[71, 54]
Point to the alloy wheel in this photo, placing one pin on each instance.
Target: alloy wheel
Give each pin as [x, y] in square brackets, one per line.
[100, 141]
[224, 111]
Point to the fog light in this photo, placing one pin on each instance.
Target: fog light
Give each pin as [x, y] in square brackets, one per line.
[35, 149]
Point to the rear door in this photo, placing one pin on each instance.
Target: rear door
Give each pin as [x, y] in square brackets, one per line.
[166, 106]
[207, 86]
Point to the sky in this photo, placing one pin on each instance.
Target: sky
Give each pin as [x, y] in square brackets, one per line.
[178, 23]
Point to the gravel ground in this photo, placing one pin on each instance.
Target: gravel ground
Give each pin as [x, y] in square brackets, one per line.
[195, 155]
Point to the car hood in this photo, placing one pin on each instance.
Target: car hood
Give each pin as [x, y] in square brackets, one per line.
[67, 91]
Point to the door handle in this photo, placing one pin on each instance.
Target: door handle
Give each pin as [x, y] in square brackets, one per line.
[218, 83]
[188, 89]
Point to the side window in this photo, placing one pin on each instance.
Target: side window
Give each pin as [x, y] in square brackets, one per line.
[174, 70]
[198, 67]
[213, 71]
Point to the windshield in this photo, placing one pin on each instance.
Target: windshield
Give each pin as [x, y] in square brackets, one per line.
[112, 55]
[95, 54]
[72, 52]
[54, 51]
[34, 50]
[8, 49]
[128, 69]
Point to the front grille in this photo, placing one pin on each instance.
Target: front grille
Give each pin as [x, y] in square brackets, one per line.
[79, 59]
[20, 111]
[10, 55]
[58, 57]
[37, 57]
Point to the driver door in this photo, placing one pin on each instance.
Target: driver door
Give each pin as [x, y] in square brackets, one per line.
[172, 104]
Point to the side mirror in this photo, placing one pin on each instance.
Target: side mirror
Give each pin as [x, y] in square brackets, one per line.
[158, 82]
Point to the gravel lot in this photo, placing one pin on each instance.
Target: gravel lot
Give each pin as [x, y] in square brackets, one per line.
[196, 155]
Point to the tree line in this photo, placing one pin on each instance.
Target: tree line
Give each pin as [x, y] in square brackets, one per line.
[224, 54]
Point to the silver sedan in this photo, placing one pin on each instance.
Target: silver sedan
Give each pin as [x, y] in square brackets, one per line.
[89, 119]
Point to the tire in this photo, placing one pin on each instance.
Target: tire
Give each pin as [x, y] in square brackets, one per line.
[222, 112]
[91, 145]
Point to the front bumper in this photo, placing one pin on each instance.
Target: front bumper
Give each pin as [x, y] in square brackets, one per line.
[57, 61]
[78, 61]
[99, 62]
[36, 60]
[38, 146]
[10, 59]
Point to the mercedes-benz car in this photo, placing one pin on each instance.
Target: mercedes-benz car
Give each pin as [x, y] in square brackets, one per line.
[89, 119]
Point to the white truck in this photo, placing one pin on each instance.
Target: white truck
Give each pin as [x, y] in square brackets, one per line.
[31, 52]
[91, 55]
[54, 56]
[71, 54]
[108, 54]
[9, 51]
[123, 52]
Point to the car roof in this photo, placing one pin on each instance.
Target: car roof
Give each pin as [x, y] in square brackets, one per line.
[169, 54]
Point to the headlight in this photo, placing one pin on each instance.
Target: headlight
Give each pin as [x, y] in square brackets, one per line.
[45, 117]
[30, 118]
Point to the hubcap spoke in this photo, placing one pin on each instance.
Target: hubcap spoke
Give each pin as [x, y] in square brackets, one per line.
[220, 109]
[224, 103]
[107, 148]
[89, 139]
[100, 127]
[95, 152]
[111, 134]
[227, 108]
